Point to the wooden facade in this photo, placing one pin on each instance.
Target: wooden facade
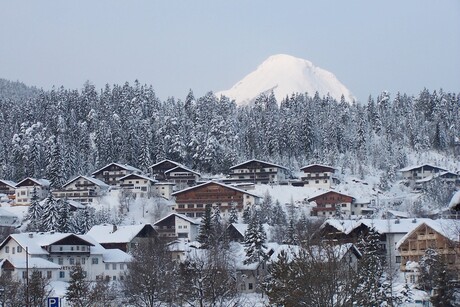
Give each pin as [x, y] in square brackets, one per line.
[82, 189]
[158, 170]
[415, 244]
[192, 202]
[326, 204]
[8, 188]
[317, 176]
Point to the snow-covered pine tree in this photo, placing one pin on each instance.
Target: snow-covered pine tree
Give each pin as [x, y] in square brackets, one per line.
[50, 213]
[254, 240]
[63, 224]
[35, 213]
[233, 218]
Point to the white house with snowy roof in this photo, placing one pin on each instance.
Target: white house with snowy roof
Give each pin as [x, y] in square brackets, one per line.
[56, 254]
[258, 172]
[138, 185]
[123, 237]
[318, 176]
[8, 219]
[112, 172]
[82, 189]
[26, 187]
[417, 172]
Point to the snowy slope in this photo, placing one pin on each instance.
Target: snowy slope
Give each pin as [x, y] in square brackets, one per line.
[285, 74]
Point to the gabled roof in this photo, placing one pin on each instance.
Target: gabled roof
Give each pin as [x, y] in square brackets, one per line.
[214, 182]
[455, 200]
[97, 182]
[33, 263]
[318, 165]
[37, 241]
[138, 176]
[259, 161]
[9, 183]
[163, 161]
[40, 182]
[327, 192]
[123, 166]
[181, 216]
[410, 168]
[446, 227]
[178, 168]
[382, 226]
[123, 234]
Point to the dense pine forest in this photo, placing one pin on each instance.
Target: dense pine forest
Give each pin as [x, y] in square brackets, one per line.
[60, 133]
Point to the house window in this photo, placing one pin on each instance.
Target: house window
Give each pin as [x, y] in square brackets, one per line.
[243, 286]
[83, 261]
[60, 261]
[114, 266]
[344, 205]
[24, 274]
[412, 279]
[107, 266]
[190, 206]
[122, 266]
[19, 249]
[114, 278]
[49, 274]
[316, 181]
[13, 250]
[181, 206]
[94, 260]
[83, 248]
[61, 274]
[60, 249]
[325, 181]
[250, 286]
[71, 261]
[7, 249]
[398, 259]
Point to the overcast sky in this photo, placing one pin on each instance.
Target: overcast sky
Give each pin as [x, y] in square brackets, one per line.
[208, 45]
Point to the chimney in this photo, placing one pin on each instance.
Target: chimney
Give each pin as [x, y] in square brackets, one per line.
[414, 221]
[31, 235]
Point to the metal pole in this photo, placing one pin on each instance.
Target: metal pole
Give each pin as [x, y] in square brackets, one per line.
[27, 276]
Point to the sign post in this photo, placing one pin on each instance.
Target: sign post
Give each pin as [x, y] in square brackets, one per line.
[53, 302]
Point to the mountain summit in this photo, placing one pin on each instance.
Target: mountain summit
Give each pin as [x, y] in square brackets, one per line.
[285, 74]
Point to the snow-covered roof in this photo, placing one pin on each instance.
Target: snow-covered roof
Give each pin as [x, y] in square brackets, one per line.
[410, 168]
[401, 214]
[382, 226]
[181, 216]
[107, 233]
[175, 169]
[33, 263]
[36, 241]
[448, 228]
[97, 182]
[9, 183]
[138, 176]
[123, 166]
[319, 165]
[183, 245]
[218, 183]
[260, 161]
[4, 212]
[241, 228]
[41, 182]
[115, 256]
[322, 192]
[455, 200]
[163, 161]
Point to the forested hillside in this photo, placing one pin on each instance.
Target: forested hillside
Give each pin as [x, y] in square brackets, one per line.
[60, 133]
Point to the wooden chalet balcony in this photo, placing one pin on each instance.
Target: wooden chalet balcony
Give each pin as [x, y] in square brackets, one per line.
[323, 209]
[314, 178]
[83, 185]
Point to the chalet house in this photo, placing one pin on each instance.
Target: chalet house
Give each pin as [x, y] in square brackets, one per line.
[177, 226]
[182, 177]
[258, 172]
[318, 176]
[8, 188]
[159, 169]
[193, 201]
[82, 189]
[170, 171]
[56, 254]
[413, 173]
[25, 190]
[441, 235]
[111, 173]
[330, 203]
[124, 238]
[237, 231]
[391, 232]
[138, 185]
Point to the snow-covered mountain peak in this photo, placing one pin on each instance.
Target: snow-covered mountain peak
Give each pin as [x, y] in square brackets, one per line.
[285, 74]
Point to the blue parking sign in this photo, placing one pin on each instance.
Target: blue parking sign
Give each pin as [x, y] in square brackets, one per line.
[53, 302]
